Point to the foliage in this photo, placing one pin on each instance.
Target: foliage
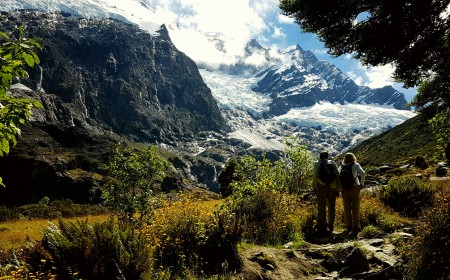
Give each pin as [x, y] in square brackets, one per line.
[415, 38]
[21, 270]
[272, 218]
[295, 170]
[399, 145]
[98, 251]
[407, 195]
[440, 124]
[370, 231]
[373, 214]
[15, 55]
[427, 252]
[191, 234]
[135, 175]
[292, 174]
[226, 177]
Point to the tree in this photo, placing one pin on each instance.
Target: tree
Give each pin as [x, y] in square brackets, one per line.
[413, 35]
[15, 55]
[135, 175]
[440, 125]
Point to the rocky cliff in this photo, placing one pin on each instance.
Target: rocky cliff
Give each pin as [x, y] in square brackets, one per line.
[101, 82]
[111, 76]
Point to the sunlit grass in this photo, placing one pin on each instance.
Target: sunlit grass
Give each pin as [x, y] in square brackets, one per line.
[13, 234]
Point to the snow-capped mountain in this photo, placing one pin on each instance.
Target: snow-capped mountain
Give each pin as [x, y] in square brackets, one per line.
[294, 93]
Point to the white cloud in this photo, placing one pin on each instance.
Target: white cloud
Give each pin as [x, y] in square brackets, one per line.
[195, 26]
[357, 79]
[285, 19]
[278, 33]
[379, 76]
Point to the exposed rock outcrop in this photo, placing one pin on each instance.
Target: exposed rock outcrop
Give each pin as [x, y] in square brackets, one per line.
[111, 76]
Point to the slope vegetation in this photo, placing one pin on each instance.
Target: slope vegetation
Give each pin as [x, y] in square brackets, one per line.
[399, 145]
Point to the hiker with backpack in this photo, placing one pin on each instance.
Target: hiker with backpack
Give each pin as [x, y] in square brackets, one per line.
[351, 186]
[327, 187]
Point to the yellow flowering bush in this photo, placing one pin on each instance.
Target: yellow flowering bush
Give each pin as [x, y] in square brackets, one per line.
[23, 271]
[272, 217]
[192, 234]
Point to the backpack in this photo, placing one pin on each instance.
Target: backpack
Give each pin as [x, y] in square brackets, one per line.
[327, 173]
[346, 176]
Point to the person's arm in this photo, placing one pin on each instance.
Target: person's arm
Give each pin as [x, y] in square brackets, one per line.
[315, 175]
[361, 173]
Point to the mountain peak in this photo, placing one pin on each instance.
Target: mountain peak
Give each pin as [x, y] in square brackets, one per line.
[292, 49]
[164, 33]
[253, 46]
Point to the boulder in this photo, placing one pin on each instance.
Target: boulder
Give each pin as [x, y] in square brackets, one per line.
[442, 169]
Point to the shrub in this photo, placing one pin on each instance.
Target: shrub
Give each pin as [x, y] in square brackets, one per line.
[291, 174]
[373, 213]
[420, 162]
[370, 231]
[428, 251]
[272, 218]
[407, 195]
[191, 234]
[134, 177]
[97, 251]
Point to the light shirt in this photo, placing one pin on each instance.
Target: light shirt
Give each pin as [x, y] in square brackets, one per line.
[357, 170]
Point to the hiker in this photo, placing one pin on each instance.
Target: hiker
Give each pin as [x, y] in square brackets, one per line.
[351, 186]
[327, 186]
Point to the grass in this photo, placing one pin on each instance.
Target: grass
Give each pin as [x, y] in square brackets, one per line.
[13, 234]
[400, 145]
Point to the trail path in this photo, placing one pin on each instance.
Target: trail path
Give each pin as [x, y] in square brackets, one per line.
[334, 257]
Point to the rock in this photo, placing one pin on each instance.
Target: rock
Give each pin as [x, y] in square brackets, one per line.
[109, 75]
[384, 168]
[442, 169]
[356, 262]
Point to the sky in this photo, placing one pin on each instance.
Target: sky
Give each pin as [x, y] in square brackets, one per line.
[192, 22]
[198, 27]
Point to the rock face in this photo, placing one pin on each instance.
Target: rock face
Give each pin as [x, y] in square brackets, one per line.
[108, 75]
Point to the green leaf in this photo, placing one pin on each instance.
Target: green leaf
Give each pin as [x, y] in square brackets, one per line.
[1, 182]
[36, 58]
[5, 145]
[4, 35]
[29, 59]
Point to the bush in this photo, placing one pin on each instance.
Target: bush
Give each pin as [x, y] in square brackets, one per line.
[420, 162]
[98, 251]
[427, 253]
[373, 213]
[135, 175]
[407, 195]
[191, 234]
[272, 218]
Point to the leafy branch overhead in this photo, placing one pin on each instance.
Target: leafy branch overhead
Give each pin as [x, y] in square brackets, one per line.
[15, 55]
